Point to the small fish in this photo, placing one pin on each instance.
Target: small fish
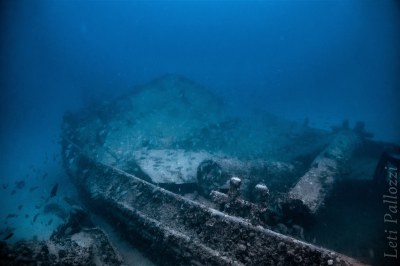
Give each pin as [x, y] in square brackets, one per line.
[20, 207]
[53, 191]
[20, 184]
[11, 215]
[33, 188]
[50, 222]
[4, 186]
[8, 236]
[26, 216]
[35, 217]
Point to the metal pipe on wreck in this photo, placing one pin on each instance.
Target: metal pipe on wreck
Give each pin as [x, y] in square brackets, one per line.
[310, 192]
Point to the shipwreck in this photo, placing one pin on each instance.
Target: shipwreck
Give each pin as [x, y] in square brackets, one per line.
[191, 185]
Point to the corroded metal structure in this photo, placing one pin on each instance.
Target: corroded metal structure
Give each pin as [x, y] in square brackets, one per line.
[183, 231]
[310, 192]
[171, 133]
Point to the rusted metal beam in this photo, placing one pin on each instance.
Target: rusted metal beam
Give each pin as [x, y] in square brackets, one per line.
[310, 192]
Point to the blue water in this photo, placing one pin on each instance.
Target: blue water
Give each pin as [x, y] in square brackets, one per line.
[322, 60]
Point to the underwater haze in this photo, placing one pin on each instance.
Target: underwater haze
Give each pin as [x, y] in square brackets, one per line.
[317, 61]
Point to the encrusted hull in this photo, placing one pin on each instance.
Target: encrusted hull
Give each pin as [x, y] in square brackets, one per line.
[179, 231]
[240, 177]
